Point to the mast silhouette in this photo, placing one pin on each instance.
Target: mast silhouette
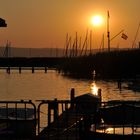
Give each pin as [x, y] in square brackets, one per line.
[108, 32]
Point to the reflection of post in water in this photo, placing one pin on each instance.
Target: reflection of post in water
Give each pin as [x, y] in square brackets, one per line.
[120, 84]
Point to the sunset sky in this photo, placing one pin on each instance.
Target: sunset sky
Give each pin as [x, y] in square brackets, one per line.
[45, 23]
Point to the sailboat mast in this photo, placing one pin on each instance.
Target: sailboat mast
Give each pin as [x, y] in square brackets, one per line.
[108, 32]
[90, 41]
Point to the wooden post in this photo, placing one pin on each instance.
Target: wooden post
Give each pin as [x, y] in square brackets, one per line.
[8, 70]
[55, 109]
[49, 114]
[46, 69]
[100, 95]
[72, 96]
[120, 84]
[66, 106]
[52, 105]
[33, 70]
[62, 107]
[19, 69]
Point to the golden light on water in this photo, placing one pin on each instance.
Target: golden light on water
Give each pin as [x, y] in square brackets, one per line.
[94, 89]
[109, 130]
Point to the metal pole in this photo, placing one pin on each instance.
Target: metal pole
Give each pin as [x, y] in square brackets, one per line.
[108, 32]
[90, 41]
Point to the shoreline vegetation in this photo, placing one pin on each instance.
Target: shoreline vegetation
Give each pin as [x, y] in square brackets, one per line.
[107, 65]
[116, 64]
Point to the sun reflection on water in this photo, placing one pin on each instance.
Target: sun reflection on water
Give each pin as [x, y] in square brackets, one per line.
[94, 89]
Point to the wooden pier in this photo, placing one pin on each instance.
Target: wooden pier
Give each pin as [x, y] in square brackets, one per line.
[82, 117]
[69, 124]
[66, 126]
[20, 69]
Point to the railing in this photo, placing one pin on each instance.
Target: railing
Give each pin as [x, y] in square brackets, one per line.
[51, 109]
[89, 120]
[70, 119]
[17, 119]
[64, 118]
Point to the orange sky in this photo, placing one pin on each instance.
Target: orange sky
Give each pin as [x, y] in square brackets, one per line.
[44, 23]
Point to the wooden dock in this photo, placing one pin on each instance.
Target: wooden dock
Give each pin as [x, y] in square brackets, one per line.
[20, 69]
[65, 127]
[73, 120]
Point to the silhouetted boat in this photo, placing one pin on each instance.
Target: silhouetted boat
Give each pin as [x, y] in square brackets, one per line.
[87, 103]
[121, 114]
[134, 85]
[119, 132]
[120, 121]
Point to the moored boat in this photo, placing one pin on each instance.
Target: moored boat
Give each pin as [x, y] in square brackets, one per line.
[120, 121]
[135, 84]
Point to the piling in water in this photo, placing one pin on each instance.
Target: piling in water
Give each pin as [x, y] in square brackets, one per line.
[72, 96]
[8, 70]
[33, 70]
[19, 69]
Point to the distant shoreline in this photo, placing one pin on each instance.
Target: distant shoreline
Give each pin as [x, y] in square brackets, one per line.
[41, 52]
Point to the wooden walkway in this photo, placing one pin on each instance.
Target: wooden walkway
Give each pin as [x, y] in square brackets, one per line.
[66, 127]
[73, 120]
[20, 69]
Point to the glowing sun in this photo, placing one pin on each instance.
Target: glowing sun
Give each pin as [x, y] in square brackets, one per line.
[97, 20]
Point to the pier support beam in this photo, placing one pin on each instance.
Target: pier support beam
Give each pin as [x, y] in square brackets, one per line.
[53, 105]
[46, 69]
[100, 95]
[55, 109]
[33, 70]
[120, 84]
[8, 70]
[72, 96]
[20, 70]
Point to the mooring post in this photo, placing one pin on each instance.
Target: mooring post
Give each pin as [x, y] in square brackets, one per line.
[46, 69]
[120, 84]
[72, 96]
[33, 70]
[55, 109]
[49, 114]
[52, 105]
[8, 70]
[19, 69]
[100, 95]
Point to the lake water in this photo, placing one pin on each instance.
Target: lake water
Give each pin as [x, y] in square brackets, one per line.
[50, 85]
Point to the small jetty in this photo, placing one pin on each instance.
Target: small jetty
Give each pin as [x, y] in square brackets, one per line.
[20, 69]
[82, 117]
[87, 117]
[68, 123]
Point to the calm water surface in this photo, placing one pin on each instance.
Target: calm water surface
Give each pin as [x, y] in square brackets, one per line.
[52, 85]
